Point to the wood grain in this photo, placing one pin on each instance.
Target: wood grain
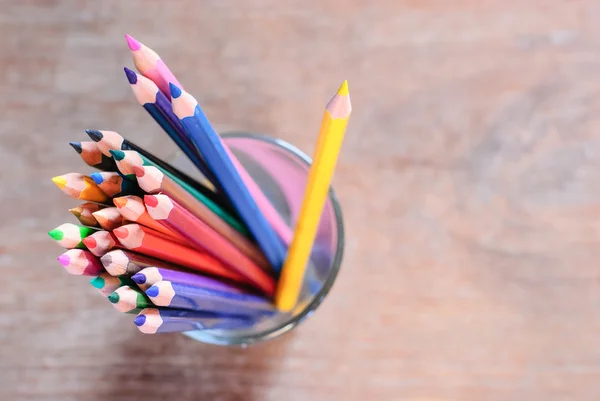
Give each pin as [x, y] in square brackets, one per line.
[470, 182]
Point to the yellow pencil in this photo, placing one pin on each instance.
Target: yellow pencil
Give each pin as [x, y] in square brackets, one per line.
[79, 186]
[325, 158]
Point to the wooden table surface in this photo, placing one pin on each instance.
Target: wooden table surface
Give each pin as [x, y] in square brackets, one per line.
[470, 182]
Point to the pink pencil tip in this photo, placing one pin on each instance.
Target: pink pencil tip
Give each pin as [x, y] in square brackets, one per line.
[132, 43]
[64, 260]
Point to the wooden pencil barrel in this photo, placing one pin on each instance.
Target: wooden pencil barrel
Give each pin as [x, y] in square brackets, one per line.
[281, 171]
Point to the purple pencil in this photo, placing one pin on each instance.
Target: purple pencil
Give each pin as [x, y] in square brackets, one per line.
[149, 276]
[184, 296]
[153, 320]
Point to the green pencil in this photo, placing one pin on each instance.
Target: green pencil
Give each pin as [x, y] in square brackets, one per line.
[107, 284]
[127, 298]
[69, 235]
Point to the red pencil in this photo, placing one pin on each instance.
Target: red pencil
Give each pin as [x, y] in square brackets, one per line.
[168, 212]
[133, 209]
[100, 242]
[143, 240]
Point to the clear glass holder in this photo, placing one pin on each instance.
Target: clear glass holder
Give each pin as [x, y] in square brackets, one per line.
[281, 171]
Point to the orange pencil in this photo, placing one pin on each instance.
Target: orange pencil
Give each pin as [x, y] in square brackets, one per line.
[132, 208]
[168, 212]
[146, 241]
[79, 186]
[109, 218]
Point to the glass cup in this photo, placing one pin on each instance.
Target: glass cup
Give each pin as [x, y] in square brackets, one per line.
[281, 171]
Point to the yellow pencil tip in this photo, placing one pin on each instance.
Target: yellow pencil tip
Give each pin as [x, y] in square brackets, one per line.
[343, 91]
[59, 181]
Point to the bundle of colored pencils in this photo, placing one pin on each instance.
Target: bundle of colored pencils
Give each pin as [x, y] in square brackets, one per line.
[186, 254]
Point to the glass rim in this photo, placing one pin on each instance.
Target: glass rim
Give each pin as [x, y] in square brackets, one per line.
[308, 310]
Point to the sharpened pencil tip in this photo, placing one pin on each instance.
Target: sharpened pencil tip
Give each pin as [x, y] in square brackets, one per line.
[175, 91]
[139, 320]
[114, 297]
[97, 177]
[118, 155]
[120, 202]
[121, 232]
[343, 91]
[131, 76]
[98, 282]
[59, 181]
[64, 260]
[56, 234]
[150, 200]
[106, 259]
[139, 171]
[139, 278]
[76, 146]
[94, 134]
[152, 291]
[132, 43]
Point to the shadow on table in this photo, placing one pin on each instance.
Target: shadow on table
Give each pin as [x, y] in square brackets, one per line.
[163, 367]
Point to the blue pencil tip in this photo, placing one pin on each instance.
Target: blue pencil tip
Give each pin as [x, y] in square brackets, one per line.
[94, 134]
[175, 91]
[152, 291]
[97, 177]
[131, 75]
[139, 278]
[139, 320]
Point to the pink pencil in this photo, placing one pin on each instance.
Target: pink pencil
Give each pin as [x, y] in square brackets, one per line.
[150, 65]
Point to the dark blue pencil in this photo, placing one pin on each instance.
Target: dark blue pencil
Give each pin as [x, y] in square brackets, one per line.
[192, 297]
[159, 107]
[209, 144]
[159, 320]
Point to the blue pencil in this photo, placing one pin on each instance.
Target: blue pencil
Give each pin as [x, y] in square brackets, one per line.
[158, 320]
[209, 144]
[159, 107]
[192, 297]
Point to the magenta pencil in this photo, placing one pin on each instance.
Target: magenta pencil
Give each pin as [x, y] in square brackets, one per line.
[150, 65]
[80, 263]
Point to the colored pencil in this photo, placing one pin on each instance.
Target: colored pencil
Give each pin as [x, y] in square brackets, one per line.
[184, 296]
[92, 156]
[113, 184]
[79, 186]
[153, 180]
[121, 262]
[133, 209]
[110, 140]
[85, 213]
[126, 160]
[143, 240]
[149, 276]
[109, 218]
[70, 235]
[128, 299]
[209, 144]
[150, 65]
[330, 141]
[168, 212]
[107, 284]
[159, 107]
[80, 263]
[166, 320]
[100, 242]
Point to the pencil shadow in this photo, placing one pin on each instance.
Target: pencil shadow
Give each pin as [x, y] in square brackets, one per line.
[163, 367]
